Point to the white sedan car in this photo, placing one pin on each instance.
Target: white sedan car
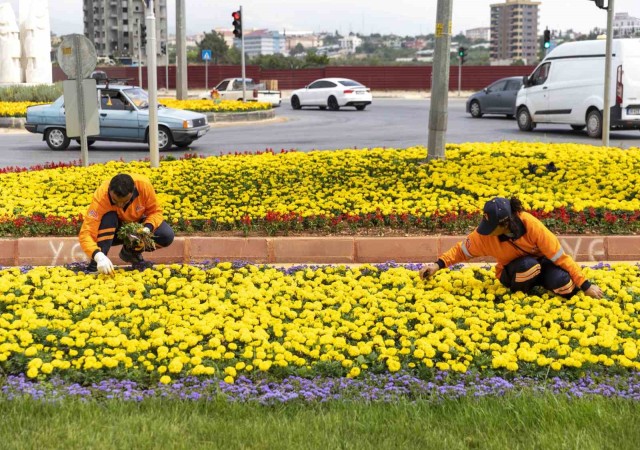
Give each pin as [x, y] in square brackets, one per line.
[332, 93]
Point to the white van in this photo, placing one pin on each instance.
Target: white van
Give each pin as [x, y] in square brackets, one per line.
[568, 87]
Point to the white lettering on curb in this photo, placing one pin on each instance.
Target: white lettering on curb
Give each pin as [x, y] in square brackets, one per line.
[65, 252]
[56, 253]
[595, 251]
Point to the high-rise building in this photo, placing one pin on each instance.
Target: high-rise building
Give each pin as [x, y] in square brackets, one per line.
[117, 27]
[514, 31]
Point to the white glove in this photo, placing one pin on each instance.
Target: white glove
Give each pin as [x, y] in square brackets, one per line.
[105, 265]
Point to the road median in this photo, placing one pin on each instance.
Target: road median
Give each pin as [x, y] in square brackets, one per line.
[52, 251]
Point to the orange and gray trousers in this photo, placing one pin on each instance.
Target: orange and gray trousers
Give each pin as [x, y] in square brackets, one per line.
[523, 273]
[110, 223]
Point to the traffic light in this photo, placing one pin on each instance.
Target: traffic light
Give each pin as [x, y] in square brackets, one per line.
[462, 52]
[163, 48]
[600, 4]
[237, 24]
[143, 35]
[547, 39]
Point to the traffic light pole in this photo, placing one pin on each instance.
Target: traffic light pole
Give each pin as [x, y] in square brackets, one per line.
[606, 113]
[459, 75]
[438, 110]
[244, 82]
[152, 80]
[139, 54]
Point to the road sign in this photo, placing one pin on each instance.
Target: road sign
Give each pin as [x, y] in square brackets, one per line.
[77, 45]
[206, 55]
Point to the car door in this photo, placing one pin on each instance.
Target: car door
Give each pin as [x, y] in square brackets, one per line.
[310, 94]
[509, 96]
[493, 98]
[118, 118]
[538, 93]
[327, 89]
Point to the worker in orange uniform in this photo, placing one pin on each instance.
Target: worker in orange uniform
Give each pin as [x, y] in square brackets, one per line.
[527, 253]
[123, 199]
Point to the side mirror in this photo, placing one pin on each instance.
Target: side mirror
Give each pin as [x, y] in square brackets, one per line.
[525, 81]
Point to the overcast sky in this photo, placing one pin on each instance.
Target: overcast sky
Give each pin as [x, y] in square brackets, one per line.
[402, 17]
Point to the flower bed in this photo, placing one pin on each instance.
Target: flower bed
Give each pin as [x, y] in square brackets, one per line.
[168, 322]
[572, 188]
[15, 109]
[216, 106]
[19, 109]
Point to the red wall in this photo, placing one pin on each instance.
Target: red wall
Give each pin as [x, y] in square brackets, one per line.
[375, 77]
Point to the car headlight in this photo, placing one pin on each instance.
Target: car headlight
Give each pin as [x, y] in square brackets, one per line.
[187, 124]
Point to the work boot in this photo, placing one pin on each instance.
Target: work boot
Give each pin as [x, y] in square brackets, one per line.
[131, 256]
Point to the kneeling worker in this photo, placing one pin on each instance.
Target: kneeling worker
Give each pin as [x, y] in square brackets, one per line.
[527, 253]
[123, 199]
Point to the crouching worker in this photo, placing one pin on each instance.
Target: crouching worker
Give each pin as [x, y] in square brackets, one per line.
[123, 199]
[527, 253]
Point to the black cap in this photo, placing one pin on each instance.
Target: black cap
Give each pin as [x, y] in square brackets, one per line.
[495, 211]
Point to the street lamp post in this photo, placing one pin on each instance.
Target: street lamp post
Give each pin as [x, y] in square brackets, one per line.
[152, 80]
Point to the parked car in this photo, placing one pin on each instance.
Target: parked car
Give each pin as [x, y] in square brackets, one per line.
[231, 89]
[124, 117]
[497, 98]
[332, 93]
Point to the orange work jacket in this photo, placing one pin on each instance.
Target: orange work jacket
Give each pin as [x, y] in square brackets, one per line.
[536, 241]
[142, 207]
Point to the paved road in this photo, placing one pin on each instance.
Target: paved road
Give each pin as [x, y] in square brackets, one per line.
[387, 123]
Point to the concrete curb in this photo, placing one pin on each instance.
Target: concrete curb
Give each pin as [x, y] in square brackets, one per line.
[12, 122]
[52, 251]
[18, 122]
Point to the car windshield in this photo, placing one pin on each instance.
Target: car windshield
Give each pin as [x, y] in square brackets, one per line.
[138, 97]
[350, 83]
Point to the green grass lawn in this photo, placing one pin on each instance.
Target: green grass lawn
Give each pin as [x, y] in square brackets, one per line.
[520, 421]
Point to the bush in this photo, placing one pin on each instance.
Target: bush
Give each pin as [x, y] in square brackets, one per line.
[45, 93]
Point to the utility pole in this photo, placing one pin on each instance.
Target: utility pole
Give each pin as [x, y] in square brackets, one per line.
[139, 53]
[181, 51]
[438, 110]
[244, 81]
[152, 81]
[606, 116]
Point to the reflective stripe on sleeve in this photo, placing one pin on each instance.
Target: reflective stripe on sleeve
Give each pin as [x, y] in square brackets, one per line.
[465, 250]
[558, 254]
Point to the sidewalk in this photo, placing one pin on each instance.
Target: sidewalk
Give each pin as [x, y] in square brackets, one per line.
[52, 251]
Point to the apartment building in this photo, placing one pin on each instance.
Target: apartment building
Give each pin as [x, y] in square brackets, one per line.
[261, 42]
[514, 32]
[117, 27]
[625, 26]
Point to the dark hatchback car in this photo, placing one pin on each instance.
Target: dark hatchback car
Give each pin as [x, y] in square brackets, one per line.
[498, 98]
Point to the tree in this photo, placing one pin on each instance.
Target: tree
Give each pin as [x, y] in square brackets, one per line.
[219, 49]
[298, 49]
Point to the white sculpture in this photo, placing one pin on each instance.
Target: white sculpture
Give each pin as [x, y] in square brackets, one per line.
[10, 71]
[35, 35]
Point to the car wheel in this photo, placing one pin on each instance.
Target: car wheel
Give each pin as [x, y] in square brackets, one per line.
[183, 144]
[57, 139]
[332, 103]
[361, 107]
[165, 140]
[475, 110]
[524, 120]
[594, 124]
[90, 142]
[578, 127]
[295, 102]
